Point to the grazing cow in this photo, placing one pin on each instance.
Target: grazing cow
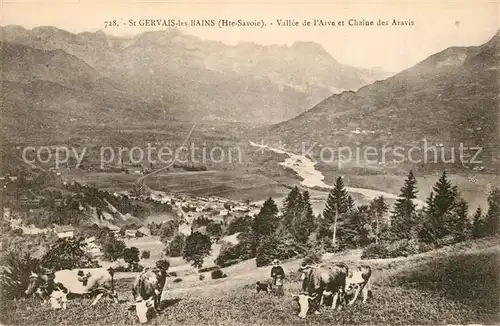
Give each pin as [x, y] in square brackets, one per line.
[93, 281]
[264, 286]
[358, 281]
[147, 290]
[317, 281]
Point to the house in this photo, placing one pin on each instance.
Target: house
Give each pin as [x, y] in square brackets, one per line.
[130, 233]
[64, 231]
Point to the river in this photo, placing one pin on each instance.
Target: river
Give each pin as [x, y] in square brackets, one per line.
[311, 177]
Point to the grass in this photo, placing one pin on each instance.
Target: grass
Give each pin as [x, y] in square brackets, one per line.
[455, 285]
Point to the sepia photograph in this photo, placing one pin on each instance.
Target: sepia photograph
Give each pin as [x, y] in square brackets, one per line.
[249, 163]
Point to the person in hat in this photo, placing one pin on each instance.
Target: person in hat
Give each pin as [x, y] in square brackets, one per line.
[277, 271]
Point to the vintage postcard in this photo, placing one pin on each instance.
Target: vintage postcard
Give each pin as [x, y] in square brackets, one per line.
[249, 163]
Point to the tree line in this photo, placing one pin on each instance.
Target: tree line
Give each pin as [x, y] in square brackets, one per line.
[404, 230]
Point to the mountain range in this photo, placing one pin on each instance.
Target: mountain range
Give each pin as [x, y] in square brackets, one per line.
[167, 74]
[449, 98]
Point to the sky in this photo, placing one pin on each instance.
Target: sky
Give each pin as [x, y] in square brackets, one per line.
[436, 25]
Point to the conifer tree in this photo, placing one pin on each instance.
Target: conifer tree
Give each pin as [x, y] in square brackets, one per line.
[441, 216]
[291, 207]
[445, 195]
[459, 220]
[266, 222]
[379, 208]
[403, 215]
[337, 204]
[478, 224]
[492, 219]
[304, 224]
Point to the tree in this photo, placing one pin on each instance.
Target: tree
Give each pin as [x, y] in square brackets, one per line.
[239, 224]
[198, 246]
[176, 246]
[459, 220]
[337, 204]
[403, 216]
[14, 276]
[167, 230]
[292, 206]
[214, 230]
[304, 224]
[131, 255]
[113, 249]
[445, 195]
[379, 209]
[440, 218]
[478, 224]
[492, 219]
[146, 254]
[266, 222]
[68, 254]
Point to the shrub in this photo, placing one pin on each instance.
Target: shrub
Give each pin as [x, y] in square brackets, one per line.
[14, 276]
[445, 241]
[208, 269]
[177, 280]
[163, 264]
[218, 274]
[403, 248]
[375, 250]
[424, 247]
[228, 252]
[176, 246]
[230, 263]
[201, 277]
[145, 254]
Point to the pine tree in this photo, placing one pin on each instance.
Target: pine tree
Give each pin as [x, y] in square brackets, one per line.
[478, 224]
[379, 209]
[336, 205]
[292, 206]
[445, 195]
[459, 220]
[403, 216]
[266, 222]
[492, 219]
[441, 213]
[304, 224]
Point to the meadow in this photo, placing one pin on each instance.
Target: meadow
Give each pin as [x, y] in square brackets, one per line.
[453, 285]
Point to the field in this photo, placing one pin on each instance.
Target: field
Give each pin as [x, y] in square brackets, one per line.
[454, 285]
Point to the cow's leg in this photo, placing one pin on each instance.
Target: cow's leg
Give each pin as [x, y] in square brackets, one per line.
[97, 298]
[365, 292]
[64, 300]
[334, 300]
[355, 296]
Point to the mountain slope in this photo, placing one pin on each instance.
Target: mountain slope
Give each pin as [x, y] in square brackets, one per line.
[449, 98]
[195, 77]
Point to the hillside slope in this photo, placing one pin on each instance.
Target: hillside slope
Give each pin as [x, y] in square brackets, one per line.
[245, 82]
[449, 98]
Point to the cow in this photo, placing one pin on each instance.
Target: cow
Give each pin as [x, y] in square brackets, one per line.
[358, 282]
[264, 286]
[318, 280]
[57, 285]
[147, 291]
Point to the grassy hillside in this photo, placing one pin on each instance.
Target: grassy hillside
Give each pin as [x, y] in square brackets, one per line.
[454, 285]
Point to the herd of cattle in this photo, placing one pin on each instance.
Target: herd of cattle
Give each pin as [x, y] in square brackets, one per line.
[336, 282]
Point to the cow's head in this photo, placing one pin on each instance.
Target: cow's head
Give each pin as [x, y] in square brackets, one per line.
[35, 281]
[142, 308]
[303, 299]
